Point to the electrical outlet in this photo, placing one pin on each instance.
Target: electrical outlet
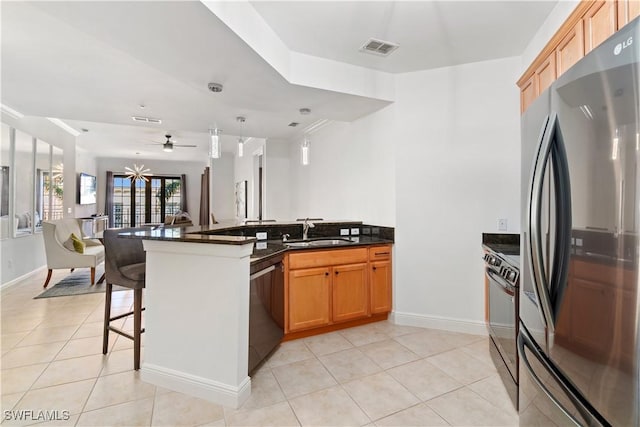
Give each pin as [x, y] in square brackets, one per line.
[502, 224]
[68, 210]
[344, 231]
[261, 236]
[355, 231]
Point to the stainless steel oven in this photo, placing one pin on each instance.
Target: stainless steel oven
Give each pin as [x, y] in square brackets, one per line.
[502, 276]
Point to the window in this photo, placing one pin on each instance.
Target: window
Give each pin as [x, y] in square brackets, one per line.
[145, 202]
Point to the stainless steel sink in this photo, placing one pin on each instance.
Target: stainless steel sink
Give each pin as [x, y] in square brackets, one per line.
[318, 242]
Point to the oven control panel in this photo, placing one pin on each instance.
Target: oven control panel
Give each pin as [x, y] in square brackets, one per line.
[492, 260]
[510, 275]
[507, 271]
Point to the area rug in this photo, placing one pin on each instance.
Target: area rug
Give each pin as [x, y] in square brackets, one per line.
[78, 283]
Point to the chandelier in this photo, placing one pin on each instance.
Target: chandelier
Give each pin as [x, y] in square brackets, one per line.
[138, 172]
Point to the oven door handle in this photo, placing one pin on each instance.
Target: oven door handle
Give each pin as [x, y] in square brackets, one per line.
[506, 287]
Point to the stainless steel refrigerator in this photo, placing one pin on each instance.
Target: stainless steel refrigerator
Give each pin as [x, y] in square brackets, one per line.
[579, 302]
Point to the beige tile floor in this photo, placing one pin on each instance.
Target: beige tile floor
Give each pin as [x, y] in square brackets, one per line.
[379, 374]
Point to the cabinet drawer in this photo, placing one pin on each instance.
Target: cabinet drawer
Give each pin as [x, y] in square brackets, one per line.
[323, 258]
[380, 253]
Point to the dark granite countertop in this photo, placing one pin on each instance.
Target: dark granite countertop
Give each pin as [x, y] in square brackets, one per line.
[503, 243]
[234, 233]
[265, 249]
[186, 234]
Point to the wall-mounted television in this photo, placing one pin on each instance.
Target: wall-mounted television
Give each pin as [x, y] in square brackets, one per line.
[87, 189]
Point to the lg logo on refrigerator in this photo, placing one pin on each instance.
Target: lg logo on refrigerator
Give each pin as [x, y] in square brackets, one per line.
[625, 44]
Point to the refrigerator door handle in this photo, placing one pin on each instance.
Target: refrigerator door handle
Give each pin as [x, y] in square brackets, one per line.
[541, 287]
[524, 340]
[562, 238]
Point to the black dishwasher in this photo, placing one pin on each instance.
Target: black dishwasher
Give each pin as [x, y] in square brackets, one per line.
[266, 309]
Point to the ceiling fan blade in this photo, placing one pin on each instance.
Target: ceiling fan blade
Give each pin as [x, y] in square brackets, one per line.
[185, 145]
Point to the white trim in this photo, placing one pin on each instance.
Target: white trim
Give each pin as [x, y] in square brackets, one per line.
[62, 125]
[11, 112]
[213, 391]
[210, 248]
[438, 322]
[24, 276]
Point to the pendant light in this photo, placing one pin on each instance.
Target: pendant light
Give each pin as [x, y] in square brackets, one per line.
[305, 150]
[241, 120]
[214, 147]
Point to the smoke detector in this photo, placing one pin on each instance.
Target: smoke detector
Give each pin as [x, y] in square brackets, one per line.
[379, 47]
[215, 87]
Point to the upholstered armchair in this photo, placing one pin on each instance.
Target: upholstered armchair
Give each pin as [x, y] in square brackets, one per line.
[59, 255]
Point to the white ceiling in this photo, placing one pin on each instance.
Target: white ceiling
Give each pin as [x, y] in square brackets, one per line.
[93, 64]
[431, 34]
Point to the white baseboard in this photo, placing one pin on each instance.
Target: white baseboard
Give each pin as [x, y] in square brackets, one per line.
[204, 388]
[438, 322]
[24, 276]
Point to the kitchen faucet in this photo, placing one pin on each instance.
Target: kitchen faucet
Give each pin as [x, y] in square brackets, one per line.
[305, 228]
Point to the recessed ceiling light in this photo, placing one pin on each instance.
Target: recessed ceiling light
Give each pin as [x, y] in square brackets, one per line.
[305, 111]
[215, 87]
[293, 124]
[84, 130]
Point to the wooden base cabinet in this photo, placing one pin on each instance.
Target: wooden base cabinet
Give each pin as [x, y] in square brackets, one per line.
[350, 292]
[309, 298]
[380, 278]
[326, 288]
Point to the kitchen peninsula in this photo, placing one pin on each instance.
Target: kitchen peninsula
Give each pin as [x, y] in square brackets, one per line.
[198, 300]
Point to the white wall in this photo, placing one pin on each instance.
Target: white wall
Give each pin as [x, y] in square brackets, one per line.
[193, 171]
[86, 162]
[457, 171]
[350, 173]
[245, 169]
[222, 188]
[278, 197]
[442, 164]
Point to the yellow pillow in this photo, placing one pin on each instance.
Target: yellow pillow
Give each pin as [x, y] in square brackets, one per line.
[74, 243]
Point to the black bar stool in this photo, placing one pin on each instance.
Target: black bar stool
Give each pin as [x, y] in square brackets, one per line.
[124, 265]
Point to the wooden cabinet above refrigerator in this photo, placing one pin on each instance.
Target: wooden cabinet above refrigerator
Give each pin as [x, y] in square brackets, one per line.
[589, 24]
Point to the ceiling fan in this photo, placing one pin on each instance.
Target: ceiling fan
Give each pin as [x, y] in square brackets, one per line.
[168, 145]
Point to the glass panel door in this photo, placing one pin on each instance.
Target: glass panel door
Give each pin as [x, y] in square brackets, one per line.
[145, 202]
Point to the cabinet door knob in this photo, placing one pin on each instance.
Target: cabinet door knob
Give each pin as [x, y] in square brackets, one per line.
[374, 268]
[326, 273]
[337, 272]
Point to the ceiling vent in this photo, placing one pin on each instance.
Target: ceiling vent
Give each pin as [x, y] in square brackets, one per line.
[293, 124]
[146, 119]
[378, 47]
